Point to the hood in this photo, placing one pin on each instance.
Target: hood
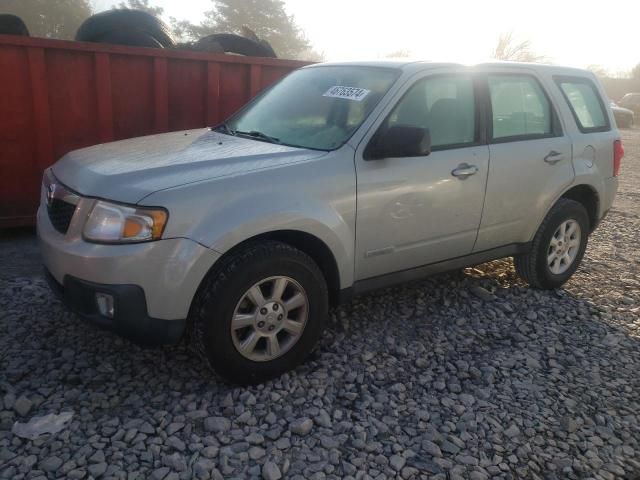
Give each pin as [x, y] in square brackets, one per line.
[618, 108]
[615, 107]
[129, 170]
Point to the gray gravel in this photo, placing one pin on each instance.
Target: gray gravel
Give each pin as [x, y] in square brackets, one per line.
[467, 375]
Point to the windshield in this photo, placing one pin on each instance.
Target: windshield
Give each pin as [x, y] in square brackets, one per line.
[318, 108]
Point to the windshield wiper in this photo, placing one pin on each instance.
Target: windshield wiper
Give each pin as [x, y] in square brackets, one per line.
[258, 135]
[224, 128]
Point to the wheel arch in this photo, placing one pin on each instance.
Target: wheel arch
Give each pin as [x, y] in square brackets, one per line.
[588, 197]
[306, 242]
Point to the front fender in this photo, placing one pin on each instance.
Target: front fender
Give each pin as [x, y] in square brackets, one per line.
[316, 197]
[258, 215]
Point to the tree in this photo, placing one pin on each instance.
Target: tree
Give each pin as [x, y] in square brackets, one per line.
[50, 18]
[635, 72]
[402, 53]
[598, 71]
[142, 5]
[182, 30]
[311, 55]
[509, 49]
[267, 18]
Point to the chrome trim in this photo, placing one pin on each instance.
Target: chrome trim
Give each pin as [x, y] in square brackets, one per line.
[52, 189]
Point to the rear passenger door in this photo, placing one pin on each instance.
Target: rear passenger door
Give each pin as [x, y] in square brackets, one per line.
[530, 157]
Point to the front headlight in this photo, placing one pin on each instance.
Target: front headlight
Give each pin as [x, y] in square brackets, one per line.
[113, 223]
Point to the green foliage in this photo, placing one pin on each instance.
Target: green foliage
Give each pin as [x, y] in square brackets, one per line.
[49, 18]
[267, 18]
[142, 5]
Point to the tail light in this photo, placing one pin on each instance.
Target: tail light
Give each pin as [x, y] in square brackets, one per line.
[618, 153]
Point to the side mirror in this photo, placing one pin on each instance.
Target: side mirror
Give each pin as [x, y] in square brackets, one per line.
[399, 141]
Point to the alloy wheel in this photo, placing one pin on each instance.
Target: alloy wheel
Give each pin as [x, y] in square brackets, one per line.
[269, 318]
[564, 247]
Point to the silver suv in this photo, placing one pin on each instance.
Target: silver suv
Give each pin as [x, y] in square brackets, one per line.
[339, 179]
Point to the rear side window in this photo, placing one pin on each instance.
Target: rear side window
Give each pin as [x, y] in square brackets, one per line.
[585, 102]
[520, 108]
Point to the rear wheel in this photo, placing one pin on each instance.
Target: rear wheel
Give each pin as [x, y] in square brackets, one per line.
[260, 312]
[557, 248]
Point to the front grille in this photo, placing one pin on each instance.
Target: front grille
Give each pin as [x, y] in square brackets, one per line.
[60, 214]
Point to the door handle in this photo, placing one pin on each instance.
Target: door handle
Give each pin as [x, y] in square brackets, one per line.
[553, 157]
[464, 171]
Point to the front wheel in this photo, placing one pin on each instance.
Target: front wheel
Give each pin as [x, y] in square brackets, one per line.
[260, 312]
[557, 248]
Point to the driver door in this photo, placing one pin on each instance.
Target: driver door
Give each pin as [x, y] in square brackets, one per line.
[421, 210]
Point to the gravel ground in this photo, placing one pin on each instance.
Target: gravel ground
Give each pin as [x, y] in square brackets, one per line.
[467, 375]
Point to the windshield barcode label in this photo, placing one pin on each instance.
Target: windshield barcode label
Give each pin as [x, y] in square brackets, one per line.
[348, 93]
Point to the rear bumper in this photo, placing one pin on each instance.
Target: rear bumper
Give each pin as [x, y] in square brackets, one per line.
[130, 320]
[608, 196]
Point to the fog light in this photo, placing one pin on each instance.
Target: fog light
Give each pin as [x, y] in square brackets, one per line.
[105, 304]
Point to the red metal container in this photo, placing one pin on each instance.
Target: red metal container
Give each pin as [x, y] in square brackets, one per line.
[58, 96]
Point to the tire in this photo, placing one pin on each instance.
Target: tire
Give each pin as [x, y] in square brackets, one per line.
[230, 43]
[270, 52]
[126, 27]
[223, 294]
[12, 25]
[131, 38]
[534, 267]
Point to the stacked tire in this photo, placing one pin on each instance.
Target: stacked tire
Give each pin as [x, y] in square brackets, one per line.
[136, 28]
[133, 28]
[12, 25]
[234, 44]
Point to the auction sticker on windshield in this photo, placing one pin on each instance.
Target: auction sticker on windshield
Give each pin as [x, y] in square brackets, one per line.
[348, 93]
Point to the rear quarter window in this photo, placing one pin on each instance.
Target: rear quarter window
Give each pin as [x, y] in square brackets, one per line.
[585, 103]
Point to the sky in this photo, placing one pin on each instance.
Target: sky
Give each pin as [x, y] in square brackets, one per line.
[567, 32]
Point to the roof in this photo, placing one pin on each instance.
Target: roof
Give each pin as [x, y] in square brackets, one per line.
[557, 69]
[418, 65]
[392, 63]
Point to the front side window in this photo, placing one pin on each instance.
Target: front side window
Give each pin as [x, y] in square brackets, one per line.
[519, 107]
[443, 104]
[585, 103]
[318, 107]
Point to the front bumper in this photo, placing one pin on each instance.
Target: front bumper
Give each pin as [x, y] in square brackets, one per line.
[130, 319]
[153, 283]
